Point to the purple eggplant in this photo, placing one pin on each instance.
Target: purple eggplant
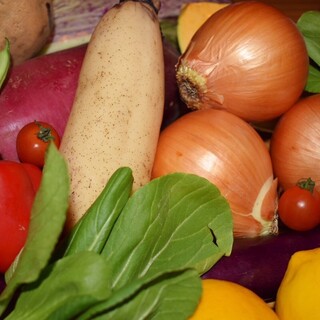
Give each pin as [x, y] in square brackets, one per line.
[174, 107]
[260, 263]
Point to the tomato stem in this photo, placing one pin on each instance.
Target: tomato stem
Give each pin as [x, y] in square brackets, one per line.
[307, 184]
[44, 133]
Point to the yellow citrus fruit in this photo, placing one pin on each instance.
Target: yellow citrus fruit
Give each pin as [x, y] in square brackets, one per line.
[298, 296]
[226, 300]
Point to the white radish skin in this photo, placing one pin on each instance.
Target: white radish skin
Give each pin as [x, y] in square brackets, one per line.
[117, 113]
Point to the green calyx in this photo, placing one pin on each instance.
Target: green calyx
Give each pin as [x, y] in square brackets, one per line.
[44, 133]
[307, 184]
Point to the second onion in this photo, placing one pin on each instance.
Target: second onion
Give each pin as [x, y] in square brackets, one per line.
[226, 150]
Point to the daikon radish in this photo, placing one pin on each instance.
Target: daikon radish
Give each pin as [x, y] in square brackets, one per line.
[117, 112]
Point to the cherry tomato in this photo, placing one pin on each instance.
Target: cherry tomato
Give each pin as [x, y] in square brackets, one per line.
[19, 183]
[299, 206]
[33, 140]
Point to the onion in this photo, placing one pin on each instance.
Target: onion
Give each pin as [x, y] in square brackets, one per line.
[227, 151]
[247, 58]
[295, 143]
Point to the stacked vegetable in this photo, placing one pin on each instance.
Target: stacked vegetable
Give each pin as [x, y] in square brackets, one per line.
[229, 67]
[177, 226]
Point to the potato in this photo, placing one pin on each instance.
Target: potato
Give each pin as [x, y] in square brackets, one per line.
[27, 24]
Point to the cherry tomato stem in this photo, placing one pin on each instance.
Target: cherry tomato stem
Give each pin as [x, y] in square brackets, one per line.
[45, 132]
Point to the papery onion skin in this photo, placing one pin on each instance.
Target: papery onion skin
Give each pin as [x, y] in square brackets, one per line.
[227, 151]
[248, 58]
[295, 143]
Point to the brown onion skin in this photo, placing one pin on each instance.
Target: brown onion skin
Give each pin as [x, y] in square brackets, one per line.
[254, 60]
[227, 151]
[295, 143]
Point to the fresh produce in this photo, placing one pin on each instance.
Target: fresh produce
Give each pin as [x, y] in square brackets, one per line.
[294, 145]
[260, 263]
[4, 62]
[248, 58]
[298, 294]
[48, 216]
[299, 206]
[226, 300]
[75, 20]
[226, 150]
[191, 17]
[33, 140]
[18, 186]
[309, 26]
[116, 90]
[145, 271]
[42, 88]
[174, 107]
[27, 25]
[93, 230]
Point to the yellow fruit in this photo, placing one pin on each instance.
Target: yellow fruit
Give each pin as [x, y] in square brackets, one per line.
[298, 296]
[226, 300]
[191, 17]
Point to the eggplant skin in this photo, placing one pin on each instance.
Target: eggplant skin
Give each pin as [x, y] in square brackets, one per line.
[260, 263]
[174, 107]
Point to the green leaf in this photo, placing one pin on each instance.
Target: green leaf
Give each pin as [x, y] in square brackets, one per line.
[169, 31]
[47, 219]
[313, 83]
[309, 25]
[4, 62]
[93, 229]
[174, 297]
[174, 222]
[73, 284]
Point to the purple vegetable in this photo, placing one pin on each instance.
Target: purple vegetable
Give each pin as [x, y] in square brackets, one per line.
[174, 107]
[40, 89]
[260, 263]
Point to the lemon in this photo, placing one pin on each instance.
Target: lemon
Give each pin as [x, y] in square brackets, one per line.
[298, 296]
[226, 300]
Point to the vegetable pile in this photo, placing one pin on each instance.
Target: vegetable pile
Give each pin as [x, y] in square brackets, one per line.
[160, 162]
[182, 226]
[43, 89]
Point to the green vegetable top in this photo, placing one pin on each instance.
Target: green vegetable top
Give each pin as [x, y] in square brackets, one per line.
[131, 256]
[309, 25]
[4, 62]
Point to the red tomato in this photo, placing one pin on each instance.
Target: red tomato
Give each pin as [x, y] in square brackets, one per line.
[18, 186]
[299, 206]
[33, 140]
